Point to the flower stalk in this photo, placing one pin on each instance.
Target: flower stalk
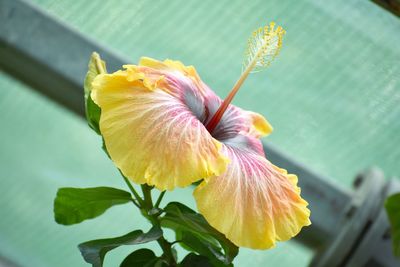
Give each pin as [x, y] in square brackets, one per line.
[137, 200]
[146, 206]
[153, 218]
[160, 197]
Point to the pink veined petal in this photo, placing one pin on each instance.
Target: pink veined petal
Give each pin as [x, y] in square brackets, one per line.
[253, 203]
[151, 134]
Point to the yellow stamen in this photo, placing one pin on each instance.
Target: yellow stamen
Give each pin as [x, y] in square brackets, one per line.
[263, 46]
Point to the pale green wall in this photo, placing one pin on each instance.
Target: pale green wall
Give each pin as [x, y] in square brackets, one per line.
[333, 97]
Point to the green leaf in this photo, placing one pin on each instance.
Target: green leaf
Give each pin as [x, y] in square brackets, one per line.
[193, 260]
[96, 66]
[180, 218]
[140, 258]
[74, 205]
[94, 251]
[93, 113]
[392, 205]
[211, 251]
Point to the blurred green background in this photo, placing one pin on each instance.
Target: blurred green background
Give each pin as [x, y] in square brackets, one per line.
[333, 97]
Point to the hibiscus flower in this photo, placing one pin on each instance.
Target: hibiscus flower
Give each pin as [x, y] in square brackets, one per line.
[163, 126]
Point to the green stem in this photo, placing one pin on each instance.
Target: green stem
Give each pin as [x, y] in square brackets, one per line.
[148, 201]
[135, 203]
[167, 249]
[164, 244]
[146, 205]
[160, 197]
[137, 197]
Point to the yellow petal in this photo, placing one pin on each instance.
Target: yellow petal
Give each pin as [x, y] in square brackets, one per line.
[168, 64]
[177, 66]
[151, 135]
[253, 203]
[259, 125]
